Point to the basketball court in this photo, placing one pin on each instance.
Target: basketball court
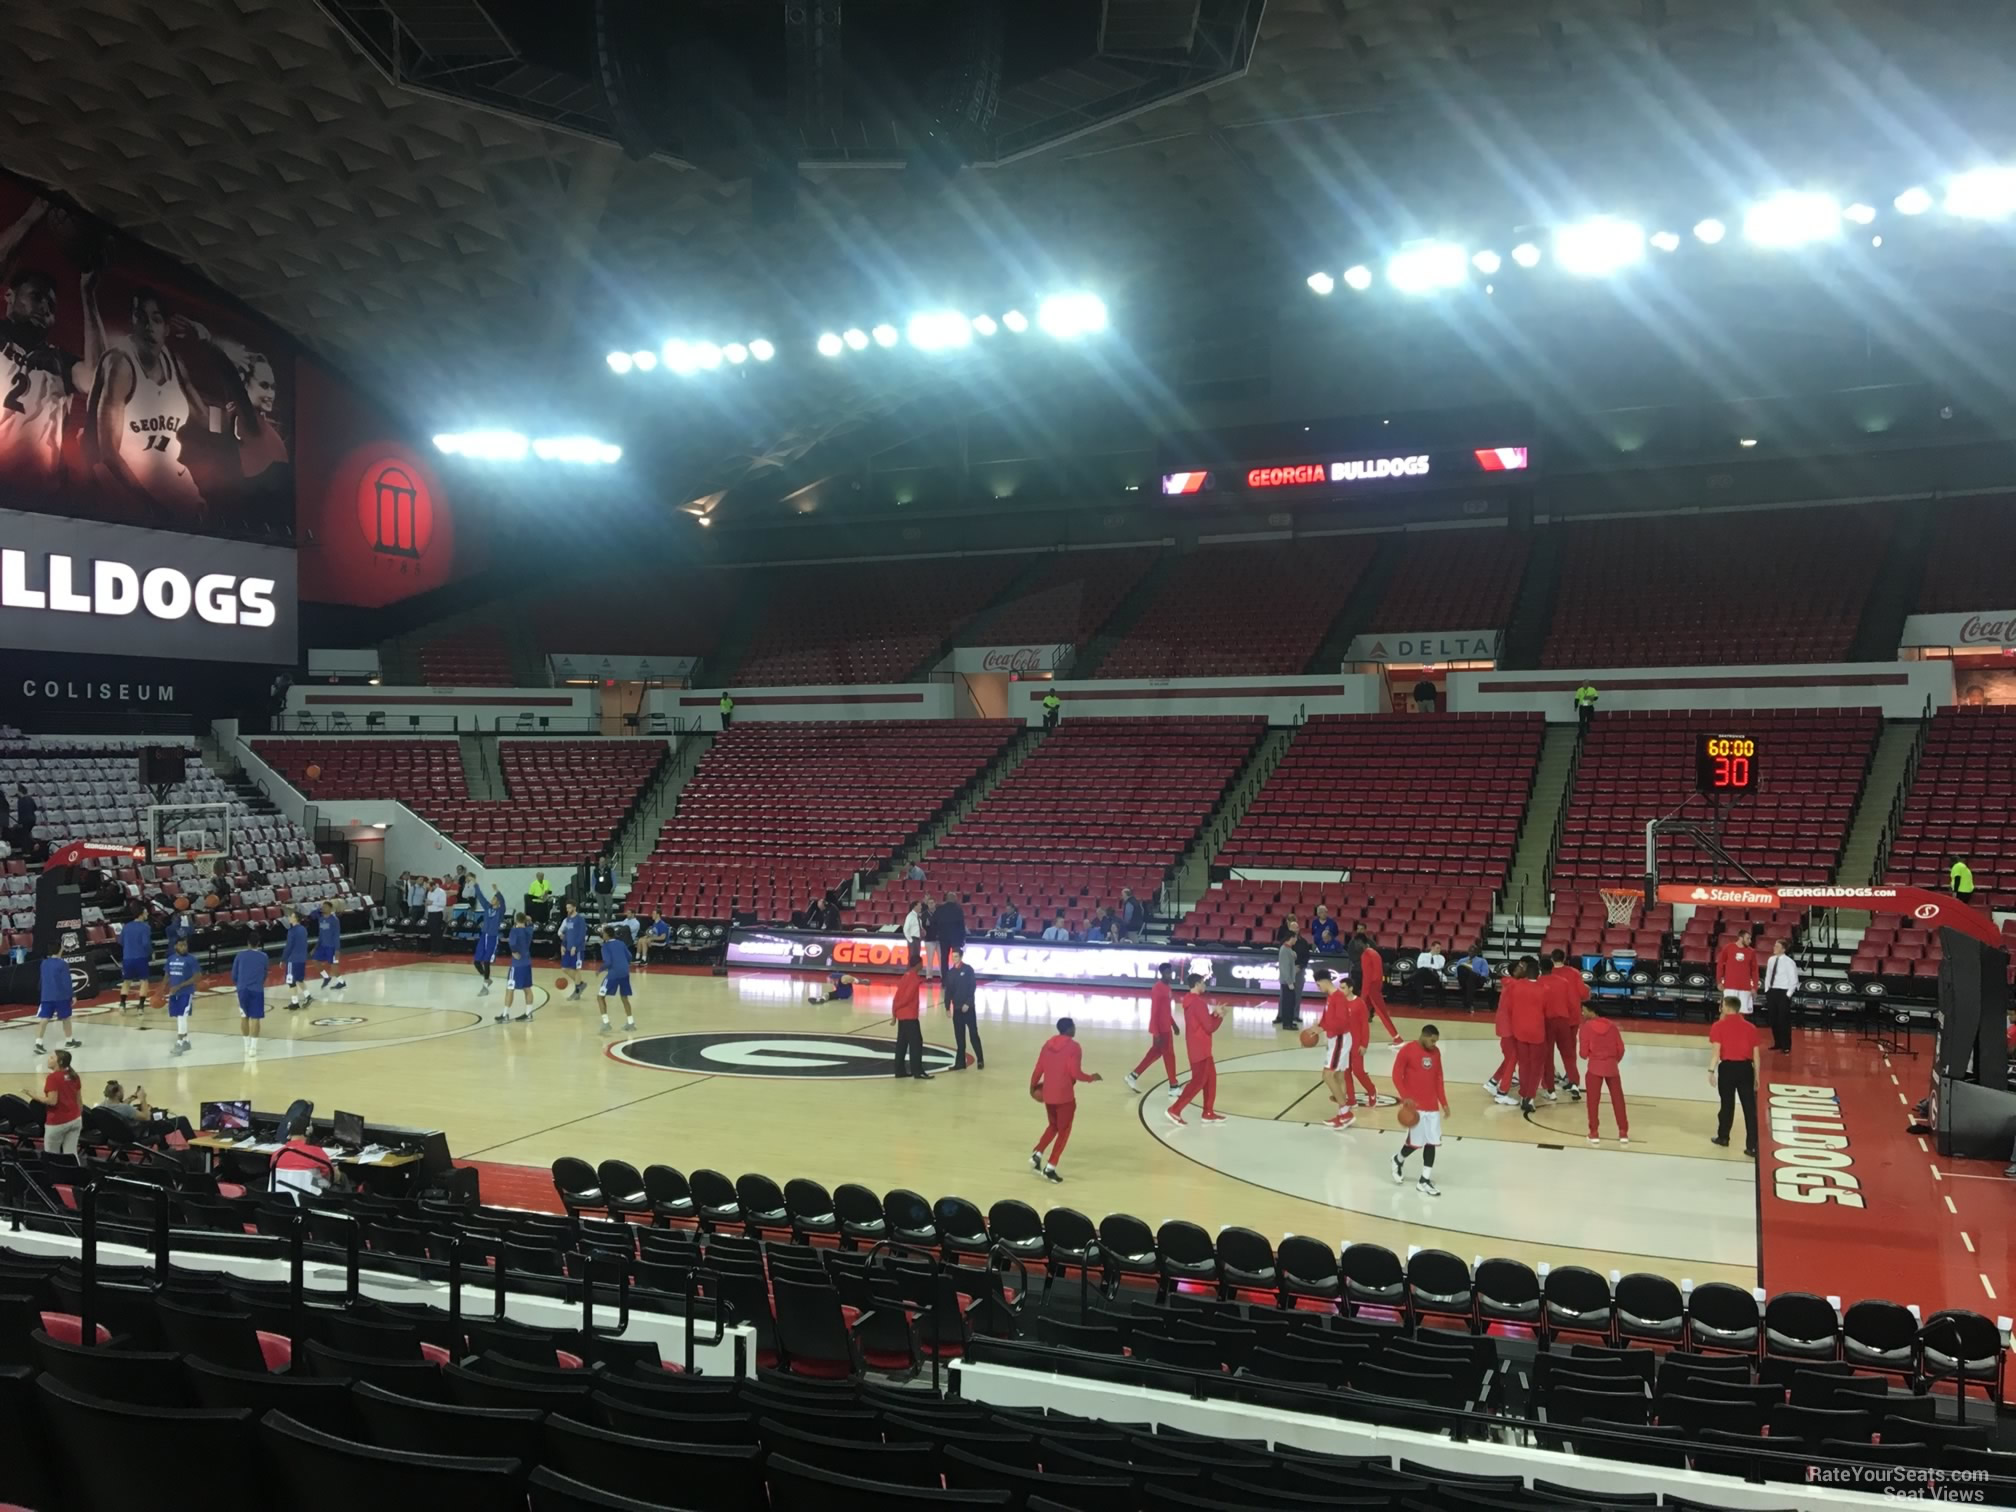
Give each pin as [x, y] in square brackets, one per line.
[746, 1073]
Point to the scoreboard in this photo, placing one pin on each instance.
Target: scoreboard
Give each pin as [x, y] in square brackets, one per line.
[1726, 766]
[1353, 474]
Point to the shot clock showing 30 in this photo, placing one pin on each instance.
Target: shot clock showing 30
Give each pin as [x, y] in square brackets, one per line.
[1726, 765]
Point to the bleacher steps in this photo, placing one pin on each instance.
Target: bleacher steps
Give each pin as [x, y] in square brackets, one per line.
[1530, 861]
[995, 773]
[482, 770]
[1879, 794]
[1124, 617]
[974, 631]
[1533, 609]
[1354, 619]
[639, 835]
[1193, 872]
[1890, 601]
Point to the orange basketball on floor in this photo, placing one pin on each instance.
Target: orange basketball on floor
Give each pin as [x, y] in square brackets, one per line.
[314, 772]
[560, 984]
[1310, 1037]
[1408, 1114]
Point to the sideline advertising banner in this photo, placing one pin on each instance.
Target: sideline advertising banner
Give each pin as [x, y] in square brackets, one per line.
[1988, 630]
[1425, 646]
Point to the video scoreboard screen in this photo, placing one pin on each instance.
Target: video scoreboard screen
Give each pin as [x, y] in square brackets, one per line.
[1351, 474]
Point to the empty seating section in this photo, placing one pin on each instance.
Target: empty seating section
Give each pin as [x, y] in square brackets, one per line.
[1099, 805]
[1247, 610]
[644, 610]
[568, 799]
[1581, 926]
[415, 772]
[778, 813]
[1747, 588]
[1438, 796]
[467, 659]
[1401, 913]
[1972, 539]
[1066, 599]
[1638, 766]
[864, 622]
[1961, 803]
[1453, 580]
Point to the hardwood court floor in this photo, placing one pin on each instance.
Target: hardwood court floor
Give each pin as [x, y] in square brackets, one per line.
[410, 1042]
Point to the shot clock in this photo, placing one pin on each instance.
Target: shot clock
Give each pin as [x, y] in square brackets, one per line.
[1726, 766]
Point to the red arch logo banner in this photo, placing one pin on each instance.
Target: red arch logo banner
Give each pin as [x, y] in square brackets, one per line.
[1934, 910]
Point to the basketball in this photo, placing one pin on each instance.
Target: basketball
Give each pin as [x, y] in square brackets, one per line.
[1310, 1039]
[211, 900]
[182, 905]
[560, 984]
[1408, 1114]
[314, 771]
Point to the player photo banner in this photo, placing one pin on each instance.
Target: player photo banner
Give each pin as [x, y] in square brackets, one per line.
[1008, 960]
[131, 393]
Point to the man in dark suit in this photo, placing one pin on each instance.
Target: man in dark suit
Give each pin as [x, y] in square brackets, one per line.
[961, 992]
[948, 928]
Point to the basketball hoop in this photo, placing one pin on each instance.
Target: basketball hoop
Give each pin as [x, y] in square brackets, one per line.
[1619, 903]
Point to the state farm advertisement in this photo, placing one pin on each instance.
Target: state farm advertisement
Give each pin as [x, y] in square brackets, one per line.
[1006, 960]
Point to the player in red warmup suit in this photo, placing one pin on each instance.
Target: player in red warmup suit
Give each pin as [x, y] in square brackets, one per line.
[1372, 973]
[1565, 993]
[1344, 1028]
[1499, 1084]
[1060, 1066]
[1736, 971]
[1602, 1048]
[1200, 1022]
[1161, 1032]
[1529, 1028]
[1417, 1077]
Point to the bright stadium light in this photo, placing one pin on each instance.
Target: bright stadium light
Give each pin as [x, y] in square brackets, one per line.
[1321, 283]
[736, 353]
[761, 350]
[1069, 316]
[576, 449]
[1487, 263]
[1985, 194]
[679, 357]
[1793, 218]
[619, 362]
[1859, 213]
[1666, 241]
[1359, 278]
[706, 354]
[1426, 268]
[939, 330]
[484, 446]
[1913, 201]
[831, 345]
[856, 339]
[1016, 321]
[1526, 255]
[1597, 248]
[644, 362]
[985, 325]
[1710, 231]
[885, 335]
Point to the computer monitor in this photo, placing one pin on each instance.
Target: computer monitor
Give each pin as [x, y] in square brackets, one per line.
[224, 1117]
[348, 1130]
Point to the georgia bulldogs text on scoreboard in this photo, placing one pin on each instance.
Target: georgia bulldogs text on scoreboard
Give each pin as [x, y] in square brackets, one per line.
[1350, 474]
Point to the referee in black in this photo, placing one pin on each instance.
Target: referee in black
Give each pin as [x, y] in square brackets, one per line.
[961, 991]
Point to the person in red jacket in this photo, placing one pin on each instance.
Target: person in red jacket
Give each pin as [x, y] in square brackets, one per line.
[1161, 1032]
[1736, 971]
[1344, 1027]
[1372, 977]
[1200, 1022]
[909, 1032]
[1529, 1029]
[1602, 1047]
[1060, 1066]
[1417, 1077]
[1565, 994]
[1499, 1083]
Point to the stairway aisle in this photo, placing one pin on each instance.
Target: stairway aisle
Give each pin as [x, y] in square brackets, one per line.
[638, 836]
[1880, 788]
[1551, 780]
[1193, 872]
[1017, 751]
[481, 769]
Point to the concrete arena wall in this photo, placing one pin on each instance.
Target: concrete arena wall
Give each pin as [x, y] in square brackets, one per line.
[1900, 689]
[443, 711]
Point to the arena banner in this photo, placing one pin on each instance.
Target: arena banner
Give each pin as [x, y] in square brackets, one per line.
[1933, 910]
[1427, 646]
[129, 391]
[1013, 659]
[1008, 960]
[1988, 630]
[90, 588]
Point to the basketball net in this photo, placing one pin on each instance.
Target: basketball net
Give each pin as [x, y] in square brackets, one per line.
[1620, 902]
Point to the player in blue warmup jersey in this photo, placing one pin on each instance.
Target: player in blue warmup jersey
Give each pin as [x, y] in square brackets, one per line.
[520, 980]
[136, 956]
[616, 974]
[248, 975]
[58, 998]
[657, 936]
[294, 956]
[487, 929]
[574, 947]
[181, 992]
[329, 945]
[181, 926]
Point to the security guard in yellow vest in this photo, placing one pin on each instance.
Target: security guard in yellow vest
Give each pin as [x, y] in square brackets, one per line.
[1052, 707]
[1961, 876]
[727, 710]
[1585, 704]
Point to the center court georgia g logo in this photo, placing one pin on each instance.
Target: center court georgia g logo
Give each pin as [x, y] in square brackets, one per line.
[796, 1057]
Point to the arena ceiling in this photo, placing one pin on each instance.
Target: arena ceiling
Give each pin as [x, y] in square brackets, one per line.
[431, 192]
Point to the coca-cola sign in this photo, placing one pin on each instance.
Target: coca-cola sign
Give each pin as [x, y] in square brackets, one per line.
[1017, 661]
[1983, 630]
